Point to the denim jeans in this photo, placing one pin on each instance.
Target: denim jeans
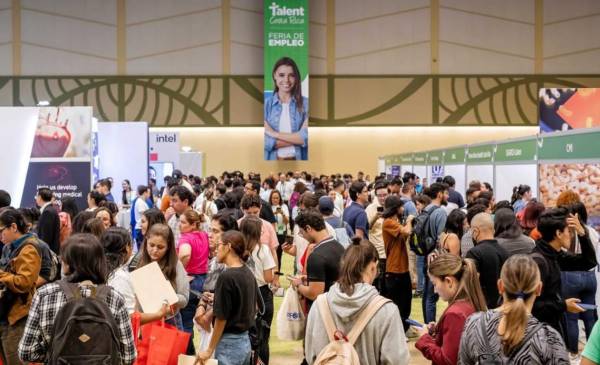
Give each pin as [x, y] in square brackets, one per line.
[430, 298]
[233, 349]
[175, 321]
[138, 239]
[581, 285]
[420, 276]
[187, 313]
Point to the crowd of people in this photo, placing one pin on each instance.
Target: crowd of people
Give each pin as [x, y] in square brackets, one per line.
[516, 276]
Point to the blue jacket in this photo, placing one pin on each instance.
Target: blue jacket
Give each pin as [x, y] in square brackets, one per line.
[272, 114]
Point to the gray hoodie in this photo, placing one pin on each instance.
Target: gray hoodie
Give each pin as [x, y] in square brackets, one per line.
[381, 342]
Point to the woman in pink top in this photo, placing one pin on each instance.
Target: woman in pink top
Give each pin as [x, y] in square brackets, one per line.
[192, 250]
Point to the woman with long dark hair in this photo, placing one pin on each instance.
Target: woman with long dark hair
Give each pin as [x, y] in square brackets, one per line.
[127, 194]
[20, 271]
[116, 242]
[282, 214]
[85, 268]
[456, 225]
[159, 246]
[286, 114]
[235, 301]
[262, 265]
[509, 234]
[520, 197]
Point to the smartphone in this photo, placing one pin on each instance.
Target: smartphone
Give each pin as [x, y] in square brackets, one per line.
[289, 240]
[380, 209]
[587, 307]
[412, 322]
[196, 293]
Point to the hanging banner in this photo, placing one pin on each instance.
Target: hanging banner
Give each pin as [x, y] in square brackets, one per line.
[286, 79]
[569, 108]
[61, 155]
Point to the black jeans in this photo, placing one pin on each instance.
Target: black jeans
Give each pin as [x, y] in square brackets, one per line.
[399, 290]
[379, 281]
[267, 295]
[281, 240]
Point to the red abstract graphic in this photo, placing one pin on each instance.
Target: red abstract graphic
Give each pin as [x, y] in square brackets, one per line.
[52, 137]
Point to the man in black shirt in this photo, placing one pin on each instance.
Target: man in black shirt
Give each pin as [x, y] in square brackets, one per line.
[558, 228]
[489, 257]
[266, 212]
[323, 264]
[48, 228]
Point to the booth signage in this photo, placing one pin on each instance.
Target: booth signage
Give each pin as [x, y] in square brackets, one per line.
[435, 158]
[406, 159]
[570, 147]
[420, 158]
[455, 156]
[480, 154]
[525, 150]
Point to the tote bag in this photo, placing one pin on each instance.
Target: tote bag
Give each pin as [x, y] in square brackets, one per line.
[290, 318]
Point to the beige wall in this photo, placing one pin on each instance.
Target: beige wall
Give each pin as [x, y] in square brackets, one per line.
[331, 149]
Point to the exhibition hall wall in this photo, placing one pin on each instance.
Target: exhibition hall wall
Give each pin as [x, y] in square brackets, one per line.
[380, 63]
[335, 149]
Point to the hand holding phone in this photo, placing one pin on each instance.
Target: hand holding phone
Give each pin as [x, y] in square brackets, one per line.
[412, 322]
[587, 307]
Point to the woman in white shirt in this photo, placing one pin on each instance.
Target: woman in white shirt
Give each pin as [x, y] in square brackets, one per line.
[117, 248]
[282, 215]
[261, 263]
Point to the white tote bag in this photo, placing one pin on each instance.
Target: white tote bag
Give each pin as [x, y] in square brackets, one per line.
[290, 318]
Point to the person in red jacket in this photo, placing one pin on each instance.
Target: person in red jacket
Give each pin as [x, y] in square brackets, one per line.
[455, 281]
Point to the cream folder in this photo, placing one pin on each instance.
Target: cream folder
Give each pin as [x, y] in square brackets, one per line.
[151, 288]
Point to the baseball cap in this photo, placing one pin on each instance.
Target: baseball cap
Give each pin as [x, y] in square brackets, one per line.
[177, 174]
[325, 205]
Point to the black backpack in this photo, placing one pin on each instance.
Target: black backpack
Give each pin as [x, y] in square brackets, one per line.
[85, 331]
[421, 242]
[491, 357]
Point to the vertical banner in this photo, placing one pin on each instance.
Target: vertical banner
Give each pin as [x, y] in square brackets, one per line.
[61, 155]
[286, 79]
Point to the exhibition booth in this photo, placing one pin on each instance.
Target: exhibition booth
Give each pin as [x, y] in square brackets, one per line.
[66, 149]
[549, 163]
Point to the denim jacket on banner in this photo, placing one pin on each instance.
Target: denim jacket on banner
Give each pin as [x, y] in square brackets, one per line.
[272, 114]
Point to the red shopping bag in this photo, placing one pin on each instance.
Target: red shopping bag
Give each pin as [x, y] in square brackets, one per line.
[161, 344]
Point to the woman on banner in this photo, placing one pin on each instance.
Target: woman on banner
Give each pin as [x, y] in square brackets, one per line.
[286, 114]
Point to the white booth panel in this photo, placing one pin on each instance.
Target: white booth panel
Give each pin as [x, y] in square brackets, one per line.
[380, 166]
[482, 173]
[191, 163]
[123, 154]
[458, 173]
[18, 126]
[509, 176]
[420, 171]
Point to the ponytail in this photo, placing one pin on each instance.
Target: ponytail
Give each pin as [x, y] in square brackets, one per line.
[355, 260]
[520, 276]
[515, 195]
[463, 270]
[237, 242]
[518, 192]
